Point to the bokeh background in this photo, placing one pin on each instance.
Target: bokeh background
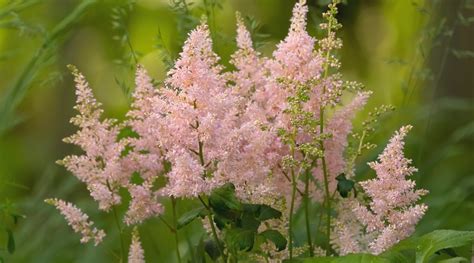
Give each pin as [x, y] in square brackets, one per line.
[417, 55]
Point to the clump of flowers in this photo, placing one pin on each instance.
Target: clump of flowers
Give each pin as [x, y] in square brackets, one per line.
[392, 212]
[252, 146]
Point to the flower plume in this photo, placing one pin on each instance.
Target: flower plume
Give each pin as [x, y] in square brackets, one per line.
[78, 221]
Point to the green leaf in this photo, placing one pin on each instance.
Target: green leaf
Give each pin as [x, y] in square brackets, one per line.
[266, 212]
[10, 242]
[221, 221]
[276, 238]
[249, 222]
[344, 186]
[212, 249]
[223, 199]
[402, 252]
[351, 258]
[241, 239]
[448, 251]
[189, 216]
[262, 212]
[441, 239]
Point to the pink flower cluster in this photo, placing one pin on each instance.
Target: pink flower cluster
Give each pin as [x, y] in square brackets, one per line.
[392, 213]
[205, 127]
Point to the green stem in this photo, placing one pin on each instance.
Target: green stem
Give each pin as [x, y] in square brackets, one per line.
[213, 228]
[292, 207]
[358, 152]
[122, 244]
[321, 144]
[166, 223]
[175, 222]
[306, 212]
[326, 183]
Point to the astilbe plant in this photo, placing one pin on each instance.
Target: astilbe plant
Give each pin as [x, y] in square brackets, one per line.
[252, 146]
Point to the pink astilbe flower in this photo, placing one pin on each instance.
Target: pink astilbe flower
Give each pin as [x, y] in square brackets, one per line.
[192, 123]
[392, 213]
[294, 57]
[100, 166]
[200, 116]
[78, 221]
[144, 204]
[186, 178]
[250, 73]
[145, 119]
[136, 253]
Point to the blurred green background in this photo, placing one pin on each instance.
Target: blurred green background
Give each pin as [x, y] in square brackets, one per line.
[415, 55]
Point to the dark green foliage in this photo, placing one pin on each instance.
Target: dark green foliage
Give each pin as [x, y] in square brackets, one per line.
[189, 216]
[8, 220]
[10, 242]
[240, 221]
[276, 238]
[223, 199]
[414, 249]
[240, 239]
[344, 186]
[212, 249]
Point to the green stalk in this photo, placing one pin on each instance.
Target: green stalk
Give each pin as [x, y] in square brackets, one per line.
[175, 222]
[321, 144]
[306, 212]
[122, 244]
[213, 228]
[209, 215]
[119, 227]
[326, 187]
[292, 207]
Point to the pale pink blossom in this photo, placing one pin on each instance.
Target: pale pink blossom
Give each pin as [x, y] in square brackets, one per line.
[392, 213]
[294, 57]
[143, 205]
[136, 253]
[79, 221]
[100, 166]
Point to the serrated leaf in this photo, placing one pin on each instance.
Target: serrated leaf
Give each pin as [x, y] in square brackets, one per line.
[249, 222]
[266, 212]
[189, 216]
[10, 242]
[276, 238]
[262, 212]
[441, 239]
[241, 239]
[223, 199]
